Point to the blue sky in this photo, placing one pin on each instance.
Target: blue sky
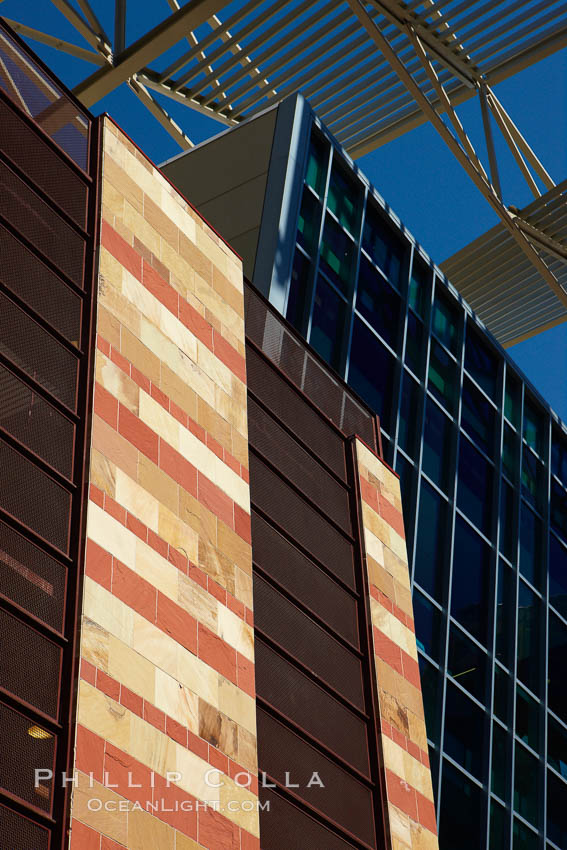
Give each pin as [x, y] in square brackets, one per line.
[416, 174]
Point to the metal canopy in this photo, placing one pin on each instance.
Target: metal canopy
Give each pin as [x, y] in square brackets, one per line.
[371, 69]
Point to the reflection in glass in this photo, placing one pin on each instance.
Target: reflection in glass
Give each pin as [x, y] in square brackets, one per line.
[308, 223]
[371, 371]
[407, 486]
[445, 322]
[530, 546]
[512, 398]
[378, 302]
[461, 821]
[534, 483]
[298, 289]
[464, 731]
[500, 765]
[556, 815]
[501, 694]
[343, 198]
[419, 285]
[499, 829]
[533, 427]
[557, 682]
[409, 413]
[527, 718]
[480, 362]
[524, 838]
[474, 492]
[558, 575]
[505, 611]
[429, 554]
[508, 533]
[529, 630]
[414, 345]
[477, 416]
[436, 444]
[557, 746]
[470, 593]
[526, 791]
[559, 455]
[510, 454]
[427, 625]
[336, 256]
[317, 164]
[443, 376]
[383, 245]
[467, 663]
[558, 508]
[431, 684]
[327, 324]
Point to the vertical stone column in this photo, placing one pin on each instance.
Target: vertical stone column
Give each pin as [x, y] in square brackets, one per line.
[166, 728]
[403, 735]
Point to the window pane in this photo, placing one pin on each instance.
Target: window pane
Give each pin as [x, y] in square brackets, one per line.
[510, 454]
[501, 694]
[308, 223]
[526, 786]
[414, 345]
[512, 398]
[534, 427]
[557, 683]
[427, 625]
[530, 546]
[559, 455]
[407, 486]
[467, 663]
[499, 834]
[328, 323]
[443, 376]
[383, 245]
[436, 445]
[556, 802]
[505, 614]
[464, 731]
[524, 838]
[409, 414]
[371, 371]
[501, 758]
[344, 198]
[474, 492]
[378, 303]
[337, 256]
[431, 685]
[527, 718]
[529, 630]
[558, 508]
[558, 575]
[470, 587]
[461, 820]
[317, 164]
[508, 533]
[419, 285]
[445, 322]
[298, 289]
[477, 417]
[429, 556]
[481, 363]
[534, 480]
[557, 746]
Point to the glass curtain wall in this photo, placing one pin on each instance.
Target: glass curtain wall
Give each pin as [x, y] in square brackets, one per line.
[483, 468]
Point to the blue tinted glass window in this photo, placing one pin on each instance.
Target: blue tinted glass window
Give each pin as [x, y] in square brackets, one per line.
[470, 587]
[436, 444]
[309, 222]
[443, 376]
[559, 455]
[512, 398]
[317, 164]
[534, 480]
[378, 303]
[524, 838]
[558, 575]
[505, 614]
[328, 323]
[419, 285]
[556, 802]
[481, 363]
[465, 735]
[508, 534]
[558, 508]
[534, 427]
[557, 746]
[298, 291]
[415, 345]
[499, 829]
[525, 789]
[371, 371]
[501, 756]
[407, 486]
[445, 322]
[431, 685]
[474, 493]
[427, 625]
[409, 415]
[510, 454]
[477, 417]
[337, 256]
[467, 663]
[530, 546]
[461, 817]
[529, 639]
[344, 198]
[429, 556]
[527, 718]
[557, 681]
[383, 245]
[502, 684]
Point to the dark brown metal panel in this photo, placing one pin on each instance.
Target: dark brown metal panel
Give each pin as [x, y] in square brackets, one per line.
[48, 237]
[316, 707]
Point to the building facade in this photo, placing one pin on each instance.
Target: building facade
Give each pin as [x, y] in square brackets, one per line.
[481, 458]
[207, 634]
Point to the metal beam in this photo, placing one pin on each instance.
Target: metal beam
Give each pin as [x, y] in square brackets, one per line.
[119, 27]
[481, 183]
[94, 22]
[94, 39]
[493, 162]
[59, 44]
[146, 49]
[542, 240]
[160, 114]
[151, 79]
[516, 153]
